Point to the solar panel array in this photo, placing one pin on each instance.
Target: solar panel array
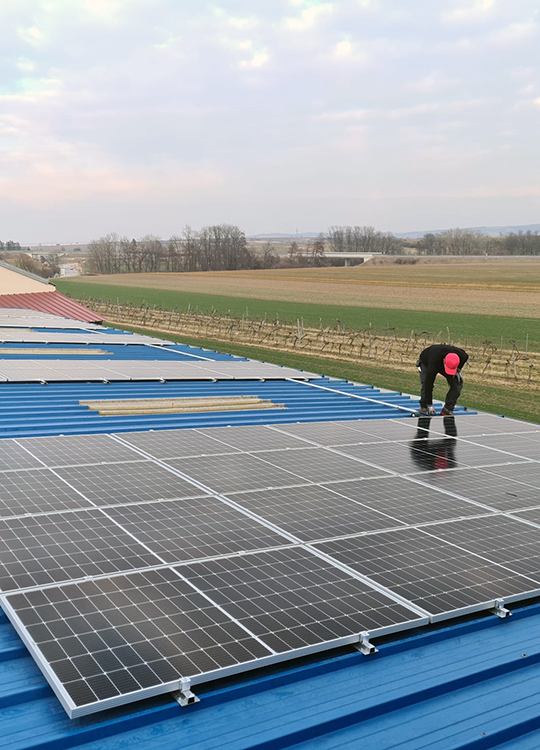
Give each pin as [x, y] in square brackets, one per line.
[63, 370]
[21, 318]
[132, 562]
[90, 336]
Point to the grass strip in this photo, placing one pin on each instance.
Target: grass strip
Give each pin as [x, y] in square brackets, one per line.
[469, 330]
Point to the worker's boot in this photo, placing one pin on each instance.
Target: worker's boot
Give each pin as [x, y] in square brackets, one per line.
[447, 411]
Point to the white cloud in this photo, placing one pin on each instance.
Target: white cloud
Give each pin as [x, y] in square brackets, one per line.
[309, 16]
[257, 61]
[433, 83]
[475, 12]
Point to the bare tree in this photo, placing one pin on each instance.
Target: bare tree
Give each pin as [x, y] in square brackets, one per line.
[104, 254]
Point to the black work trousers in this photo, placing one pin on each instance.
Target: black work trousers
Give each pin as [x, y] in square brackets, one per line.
[455, 383]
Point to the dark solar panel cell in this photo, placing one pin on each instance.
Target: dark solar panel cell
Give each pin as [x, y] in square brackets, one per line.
[251, 438]
[111, 484]
[321, 465]
[78, 449]
[40, 550]
[427, 570]
[196, 528]
[175, 443]
[234, 473]
[405, 501]
[14, 456]
[36, 491]
[301, 581]
[314, 512]
[479, 485]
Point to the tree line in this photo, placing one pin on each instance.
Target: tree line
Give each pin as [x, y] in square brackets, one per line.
[224, 247]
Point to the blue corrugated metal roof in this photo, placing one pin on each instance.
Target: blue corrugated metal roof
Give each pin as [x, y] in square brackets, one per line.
[178, 352]
[32, 409]
[474, 684]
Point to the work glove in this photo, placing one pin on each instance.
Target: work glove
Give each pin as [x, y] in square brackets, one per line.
[459, 377]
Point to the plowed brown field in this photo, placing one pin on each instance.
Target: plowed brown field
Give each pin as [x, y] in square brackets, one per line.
[507, 287]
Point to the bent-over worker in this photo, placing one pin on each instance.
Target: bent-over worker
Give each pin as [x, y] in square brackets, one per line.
[445, 360]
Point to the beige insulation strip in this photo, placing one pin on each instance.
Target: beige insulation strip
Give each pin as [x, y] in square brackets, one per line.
[178, 405]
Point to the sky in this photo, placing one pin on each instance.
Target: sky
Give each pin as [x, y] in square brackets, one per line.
[143, 116]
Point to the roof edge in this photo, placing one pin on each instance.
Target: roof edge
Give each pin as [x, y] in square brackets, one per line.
[28, 274]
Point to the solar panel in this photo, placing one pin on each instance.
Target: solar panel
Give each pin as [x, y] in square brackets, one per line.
[406, 458]
[39, 550]
[428, 571]
[497, 538]
[479, 485]
[527, 472]
[28, 370]
[481, 424]
[36, 491]
[13, 456]
[314, 512]
[78, 449]
[404, 501]
[518, 445]
[234, 472]
[195, 528]
[115, 640]
[291, 599]
[464, 453]
[175, 443]
[323, 433]
[111, 484]
[253, 438]
[320, 464]
[384, 430]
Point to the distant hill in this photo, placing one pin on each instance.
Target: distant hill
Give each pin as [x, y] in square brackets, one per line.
[491, 231]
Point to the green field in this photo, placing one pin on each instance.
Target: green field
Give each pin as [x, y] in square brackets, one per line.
[465, 328]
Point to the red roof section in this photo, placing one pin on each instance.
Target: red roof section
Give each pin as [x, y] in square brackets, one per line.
[53, 303]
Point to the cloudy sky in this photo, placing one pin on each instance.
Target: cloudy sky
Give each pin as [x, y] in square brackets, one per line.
[141, 116]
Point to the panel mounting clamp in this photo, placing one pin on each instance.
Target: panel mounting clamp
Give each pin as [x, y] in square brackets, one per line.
[184, 695]
[500, 610]
[364, 646]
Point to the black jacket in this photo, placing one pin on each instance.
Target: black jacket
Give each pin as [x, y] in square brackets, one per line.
[432, 362]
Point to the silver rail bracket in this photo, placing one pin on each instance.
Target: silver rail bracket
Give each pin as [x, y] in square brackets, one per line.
[364, 646]
[500, 610]
[184, 696]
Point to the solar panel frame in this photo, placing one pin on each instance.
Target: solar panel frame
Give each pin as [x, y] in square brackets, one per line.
[251, 588]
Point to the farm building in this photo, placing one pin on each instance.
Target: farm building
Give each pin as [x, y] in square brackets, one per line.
[199, 549]
[23, 290]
